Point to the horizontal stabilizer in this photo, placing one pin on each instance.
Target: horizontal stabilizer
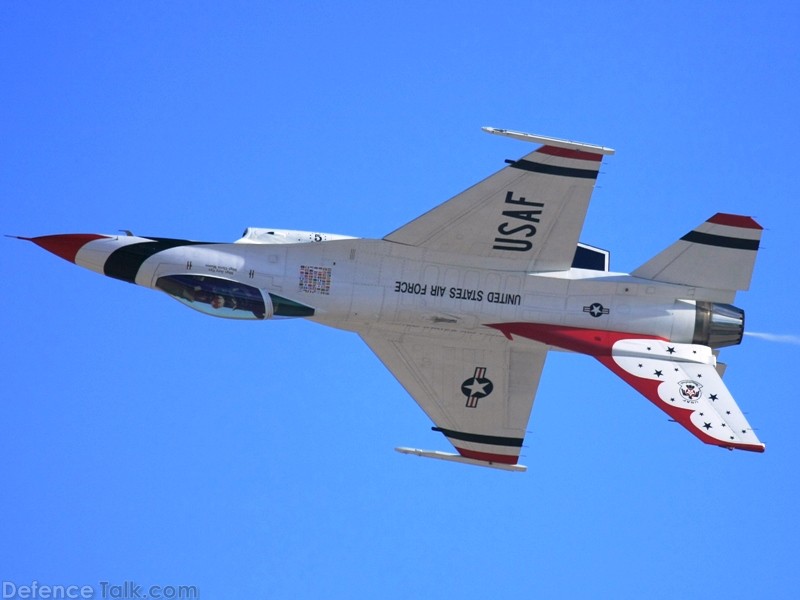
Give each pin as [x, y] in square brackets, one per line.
[719, 254]
[681, 380]
[458, 458]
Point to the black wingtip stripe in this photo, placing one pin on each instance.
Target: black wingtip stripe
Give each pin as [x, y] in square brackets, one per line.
[535, 167]
[494, 440]
[720, 241]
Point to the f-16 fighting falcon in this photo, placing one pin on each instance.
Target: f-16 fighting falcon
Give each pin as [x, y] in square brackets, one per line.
[463, 303]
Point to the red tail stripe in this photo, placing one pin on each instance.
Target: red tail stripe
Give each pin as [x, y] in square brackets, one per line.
[734, 221]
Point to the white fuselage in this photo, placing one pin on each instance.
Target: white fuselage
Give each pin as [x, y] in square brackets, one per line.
[355, 283]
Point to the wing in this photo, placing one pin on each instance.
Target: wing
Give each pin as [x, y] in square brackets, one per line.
[681, 380]
[478, 392]
[527, 216]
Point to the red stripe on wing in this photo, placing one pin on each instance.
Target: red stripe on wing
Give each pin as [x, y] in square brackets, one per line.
[567, 153]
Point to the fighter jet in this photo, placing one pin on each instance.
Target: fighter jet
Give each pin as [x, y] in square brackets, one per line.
[463, 303]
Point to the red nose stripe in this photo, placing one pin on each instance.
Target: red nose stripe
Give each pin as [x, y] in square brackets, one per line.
[66, 245]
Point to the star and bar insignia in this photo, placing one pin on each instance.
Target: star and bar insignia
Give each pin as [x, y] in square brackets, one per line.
[476, 387]
[596, 310]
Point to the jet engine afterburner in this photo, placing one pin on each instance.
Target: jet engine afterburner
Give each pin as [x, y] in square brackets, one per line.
[718, 325]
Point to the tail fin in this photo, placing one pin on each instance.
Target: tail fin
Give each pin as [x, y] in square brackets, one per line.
[718, 254]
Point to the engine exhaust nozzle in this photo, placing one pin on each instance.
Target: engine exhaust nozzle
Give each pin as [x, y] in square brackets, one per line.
[718, 325]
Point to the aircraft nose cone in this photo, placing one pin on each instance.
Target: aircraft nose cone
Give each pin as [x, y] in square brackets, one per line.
[65, 245]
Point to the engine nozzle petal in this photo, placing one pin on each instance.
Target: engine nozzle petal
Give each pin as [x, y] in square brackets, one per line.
[718, 325]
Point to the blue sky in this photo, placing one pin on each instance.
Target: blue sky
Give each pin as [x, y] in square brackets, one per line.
[142, 441]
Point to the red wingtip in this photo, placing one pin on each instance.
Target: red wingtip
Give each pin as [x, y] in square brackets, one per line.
[567, 153]
[734, 221]
[749, 447]
[504, 459]
[65, 245]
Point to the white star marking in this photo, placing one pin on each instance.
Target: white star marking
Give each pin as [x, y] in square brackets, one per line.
[476, 387]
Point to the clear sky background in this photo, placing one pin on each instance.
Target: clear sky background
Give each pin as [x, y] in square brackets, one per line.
[143, 441]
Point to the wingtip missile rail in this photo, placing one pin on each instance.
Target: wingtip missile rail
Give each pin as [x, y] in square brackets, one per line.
[549, 141]
[461, 459]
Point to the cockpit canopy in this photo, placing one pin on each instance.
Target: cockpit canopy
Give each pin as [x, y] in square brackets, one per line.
[229, 299]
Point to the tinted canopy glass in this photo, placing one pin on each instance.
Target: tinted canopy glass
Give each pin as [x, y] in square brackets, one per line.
[215, 296]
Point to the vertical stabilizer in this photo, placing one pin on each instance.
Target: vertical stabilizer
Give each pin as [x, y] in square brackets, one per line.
[718, 254]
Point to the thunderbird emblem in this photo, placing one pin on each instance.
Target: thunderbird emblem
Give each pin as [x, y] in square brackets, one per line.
[690, 390]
